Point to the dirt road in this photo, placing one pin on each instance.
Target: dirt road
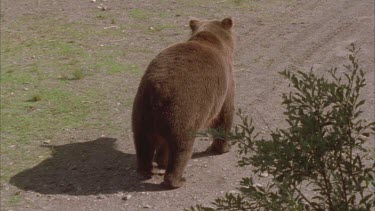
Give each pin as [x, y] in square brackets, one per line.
[93, 169]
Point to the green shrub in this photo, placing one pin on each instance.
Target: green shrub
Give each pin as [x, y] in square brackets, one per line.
[78, 74]
[321, 150]
[35, 98]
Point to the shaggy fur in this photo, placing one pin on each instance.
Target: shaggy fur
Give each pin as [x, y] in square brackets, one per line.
[189, 86]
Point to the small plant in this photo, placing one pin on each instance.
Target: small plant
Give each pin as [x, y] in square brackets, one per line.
[238, 2]
[138, 14]
[78, 74]
[100, 17]
[35, 98]
[318, 161]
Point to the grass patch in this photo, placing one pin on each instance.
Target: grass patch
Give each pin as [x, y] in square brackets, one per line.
[14, 200]
[38, 119]
[129, 102]
[160, 27]
[139, 14]
[77, 74]
[243, 4]
[35, 98]
[35, 51]
[130, 68]
[25, 124]
[110, 65]
[13, 76]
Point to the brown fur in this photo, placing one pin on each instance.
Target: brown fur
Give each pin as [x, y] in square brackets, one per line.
[189, 86]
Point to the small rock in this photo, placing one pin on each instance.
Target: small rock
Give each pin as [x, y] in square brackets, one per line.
[127, 197]
[47, 141]
[146, 206]
[258, 185]
[25, 89]
[102, 7]
[264, 174]
[233, 191]
[100, 197]
[151, 28]
[93, 1]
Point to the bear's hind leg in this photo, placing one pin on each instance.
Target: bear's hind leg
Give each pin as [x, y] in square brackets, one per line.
[223, 123]
[145, 149]
[180, 151]
[162, 154]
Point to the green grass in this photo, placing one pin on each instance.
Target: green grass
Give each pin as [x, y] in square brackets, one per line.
[25, 124]
[35, 98]
[129, 102]
[139, 14]
[250, 5]
[160, 27]
[46, 114]
[77, 74]
[36, 57]
[110, 64]
[143, 14]
[15, 199]
[38, 52]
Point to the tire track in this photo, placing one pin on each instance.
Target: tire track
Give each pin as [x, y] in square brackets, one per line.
[293, 46]
[263, 32]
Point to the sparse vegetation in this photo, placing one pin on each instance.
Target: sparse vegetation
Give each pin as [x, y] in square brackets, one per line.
[35, 98]
[44, 40]
[138, 14]
[322, 149]
[77, 74]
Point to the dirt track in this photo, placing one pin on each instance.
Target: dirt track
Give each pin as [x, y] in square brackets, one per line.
[290, 34]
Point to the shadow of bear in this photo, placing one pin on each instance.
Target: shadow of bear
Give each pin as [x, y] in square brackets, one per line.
[86, 168]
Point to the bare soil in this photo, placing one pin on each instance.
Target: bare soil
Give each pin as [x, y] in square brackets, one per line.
[94, 169]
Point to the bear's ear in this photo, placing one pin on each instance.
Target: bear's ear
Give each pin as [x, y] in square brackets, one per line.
[227, 23]
[194, 24]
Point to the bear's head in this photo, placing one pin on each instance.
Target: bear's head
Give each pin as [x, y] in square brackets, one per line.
[221, 29]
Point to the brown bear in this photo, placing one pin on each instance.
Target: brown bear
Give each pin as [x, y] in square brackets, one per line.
[188, 87]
